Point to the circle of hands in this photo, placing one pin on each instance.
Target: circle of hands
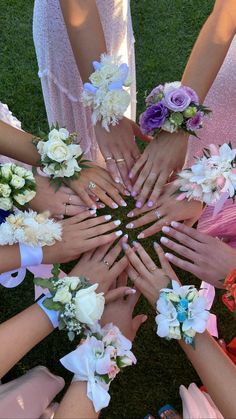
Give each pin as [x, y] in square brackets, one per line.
[148, 179]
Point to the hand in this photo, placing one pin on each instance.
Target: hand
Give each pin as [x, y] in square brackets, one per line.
[119, 144]
[147, 277]
[81, 234]
[97, 181]
[209, 259]
[101, 266]
[58, 202]
[167, 210]
[161, 157]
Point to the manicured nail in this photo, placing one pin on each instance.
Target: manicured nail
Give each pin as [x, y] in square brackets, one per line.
[135, 244]
[123, 204]
[166, 229]
[127, 193]
[139, 204]
[130, 225]
[164, 240]
[94, 206]
[144, 319]
[96, 199]
[169, 256]
[125, 246]
[117, 222]
[92, 212]
[130, 175]
[130, 214]
[141, 236]
[101, 205]
[126, 236]
[130, 291]
[114, 205]
[119, 233]
[117, 179]
[133, 193]
[150, 204]
[174, 224]
[107, 217]
[155, 244]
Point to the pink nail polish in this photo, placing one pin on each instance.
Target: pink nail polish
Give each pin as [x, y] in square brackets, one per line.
[164, 240]
[133, 193]
[169, 256]
[166, 229]
[141, 236]
[130, 291]
[150, 204]
[130, 214]
[174, 224]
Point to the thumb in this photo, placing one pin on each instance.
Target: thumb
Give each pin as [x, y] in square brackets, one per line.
[138, 321]
[117, 293]
[138, 133]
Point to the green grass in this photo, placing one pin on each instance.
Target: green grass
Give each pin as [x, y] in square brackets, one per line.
[165, 31]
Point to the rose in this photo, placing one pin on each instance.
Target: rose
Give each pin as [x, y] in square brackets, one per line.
[115, 102]
[195, 122]
[193, 95]
[26, 174]
[72, 282]
[66, 170]
[154, 117]
[89, 306]
[6, 170]
[75, 150]
[24, 197]
[5, 204]
[17, 182]
[5, 190]
[155, 96]
[63, 295]
[177, 100]
[57, 150]
[61, 134]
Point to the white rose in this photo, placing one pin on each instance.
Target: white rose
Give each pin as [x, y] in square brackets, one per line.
[6, 170]
[17, 181]
[72, 282]
[69, 169]
[5, 190]
[54, 135]
[63, 133]
[5, 204]
[24, 197]
[169, 127]
[40, 148]
[89, 306]
[20, 171]
[62, 295]
[75, 150]
[57, 150]
[168, 87]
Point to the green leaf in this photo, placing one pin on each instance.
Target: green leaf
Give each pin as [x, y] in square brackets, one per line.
[71, 336]
[61, 324]
[56, 270]
[52, 305]
[44, 283]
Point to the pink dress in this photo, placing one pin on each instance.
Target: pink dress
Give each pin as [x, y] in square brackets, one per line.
[60, 78]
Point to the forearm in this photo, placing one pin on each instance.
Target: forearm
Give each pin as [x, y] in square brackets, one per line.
[216, 371]
[9, 258]
[85, 33]
[18, 145]
[75, 404]
[20, 334]
[211, 48]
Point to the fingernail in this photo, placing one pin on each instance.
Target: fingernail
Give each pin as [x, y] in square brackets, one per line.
[125, 246]
[126, 236]
[127, 193]
[135, 244]
[92, 212]
[130, 291]
[130, 225]
[144, 319]
[130, 175]
[114, 205]
[96, 199]
[119, 233]
[141, 236]
[174, 224]
[139, 204]
[94, 206]
[117, 179]
[101, 205]
[133, 193]
[123, 204]
[117, 222]
[130, 214]
[169, 256]
[150, 204]
[155, 244]
[107, 217]
[166, 229]
[164, 240]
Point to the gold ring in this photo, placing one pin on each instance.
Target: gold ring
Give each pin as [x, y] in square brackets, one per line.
[91, 185]
[106, 263]
[108, 158]
[153, 269]
[69, 199]
[120, 160]
[65, 209]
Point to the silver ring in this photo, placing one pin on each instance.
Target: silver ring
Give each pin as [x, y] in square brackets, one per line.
[157, 214]
[108, 158]
[106, 263]
[91, 185]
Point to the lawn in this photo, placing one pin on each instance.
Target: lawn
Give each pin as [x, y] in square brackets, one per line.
[165, 31]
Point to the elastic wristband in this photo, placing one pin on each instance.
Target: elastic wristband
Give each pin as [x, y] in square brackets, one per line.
[51, 314]
[30, 256]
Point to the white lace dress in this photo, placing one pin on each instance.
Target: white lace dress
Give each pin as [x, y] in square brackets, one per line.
[60, 78]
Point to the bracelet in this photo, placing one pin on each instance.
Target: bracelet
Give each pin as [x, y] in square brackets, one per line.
[61, 157]
[79, 306]
[98, 359]
[229, 298]
[17, 186]
[181, 313]
[106, 94]
[211, 179]
[30, 256]
[171, 107]
[51, 314]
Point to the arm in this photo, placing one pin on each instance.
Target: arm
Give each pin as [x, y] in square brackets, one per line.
[9, 258]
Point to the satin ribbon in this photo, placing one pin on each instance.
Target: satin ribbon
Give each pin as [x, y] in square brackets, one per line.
[82, 363]
[208, 291]
[51, 314]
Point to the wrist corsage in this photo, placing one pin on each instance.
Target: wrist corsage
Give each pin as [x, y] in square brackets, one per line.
[181, 313]
[212, 179]
[98, 359]
[229, 298]
[171, 107]
[29, 228]
[61, 157]
[106, 94]
[79, 305]
[17, 186]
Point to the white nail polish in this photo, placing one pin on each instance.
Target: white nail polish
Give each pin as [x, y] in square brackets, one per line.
[166, 229]
[123, 204]
[119, 233]
[174, 224]
[168, 256]
[130, 214]
[107, 217]
[117, 180]
[115, 205]
[164, 240]
[130, 291]
[126, 236]
[130, 225]
[92, 212]
[117, 222]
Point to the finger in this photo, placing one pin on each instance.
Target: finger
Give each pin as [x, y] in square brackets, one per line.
[124, 171]
[71, 210]
[107, 177]
[165, 265]
[191, 232]
[143, 175]
[138, 133]
[84, 196]
[145, 219]
[113, 193]
[117, 293]
[137, 167]
[157, 190]
[137, 280]
[181, 250]
[66, 190]
[155, 228]
[146, 190]
[118, 268]
[80, 217]
[95, 221]
[114, 252]
[122, 279]
[104, 197]
[139, 211]
[145, 258]
[102, 229]
[72, 199]
[138, 321]
[113, 170]
[135, 261]
[102, 240]
[182, 238]
[184, 264]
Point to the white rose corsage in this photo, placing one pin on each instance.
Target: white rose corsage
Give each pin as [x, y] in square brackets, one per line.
[98, 359]
[30, 228]
[181, 313]
[17, 186]
[106, 93]
[61, 157]
[79, 305]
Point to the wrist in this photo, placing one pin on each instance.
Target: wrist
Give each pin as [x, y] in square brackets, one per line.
[51, 314]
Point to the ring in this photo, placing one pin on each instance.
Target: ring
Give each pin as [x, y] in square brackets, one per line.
[120, 160]
[65, 209]
[69, 199]
[91, 185]
[108, 158]
[153, 269]
[106, 263]
[157, 214]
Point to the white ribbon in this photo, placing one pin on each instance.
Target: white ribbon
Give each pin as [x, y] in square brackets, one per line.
[82, 363]
[51, 314]
[29, 255]
[12, 278]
